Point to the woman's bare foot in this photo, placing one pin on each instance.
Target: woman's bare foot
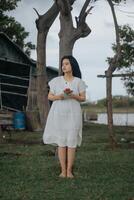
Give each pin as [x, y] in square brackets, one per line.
[62, 175]
[70, 175]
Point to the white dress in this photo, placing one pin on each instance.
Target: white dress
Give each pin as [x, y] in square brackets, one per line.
[64, 121]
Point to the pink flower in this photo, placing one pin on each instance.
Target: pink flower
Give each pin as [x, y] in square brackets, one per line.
[68, 91]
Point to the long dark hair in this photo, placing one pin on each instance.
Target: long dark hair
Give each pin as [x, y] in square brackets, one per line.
[74, 64]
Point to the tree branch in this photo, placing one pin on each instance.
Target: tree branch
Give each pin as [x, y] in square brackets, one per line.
[48, 18]
[65, 6]
[115, 59]
[37, 12]
[83, 12]
[83, 29]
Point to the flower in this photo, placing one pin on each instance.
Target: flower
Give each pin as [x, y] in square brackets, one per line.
[68, 91]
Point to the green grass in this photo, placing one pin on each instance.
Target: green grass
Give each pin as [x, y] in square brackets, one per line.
[29, 170]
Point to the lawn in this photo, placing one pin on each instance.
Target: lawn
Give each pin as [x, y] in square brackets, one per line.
[29, 170]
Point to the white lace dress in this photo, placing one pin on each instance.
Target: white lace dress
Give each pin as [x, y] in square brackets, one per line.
[64, 121]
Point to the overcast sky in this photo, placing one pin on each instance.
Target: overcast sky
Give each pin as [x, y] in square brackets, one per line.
[92, 51]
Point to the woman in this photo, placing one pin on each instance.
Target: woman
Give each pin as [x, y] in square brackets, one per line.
[64, 122]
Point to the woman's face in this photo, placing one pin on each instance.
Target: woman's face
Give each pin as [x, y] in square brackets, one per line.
[66, 66]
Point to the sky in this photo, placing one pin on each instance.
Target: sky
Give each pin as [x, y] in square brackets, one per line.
[91, 52]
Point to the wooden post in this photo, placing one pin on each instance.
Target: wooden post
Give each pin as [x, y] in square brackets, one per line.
[110, 109]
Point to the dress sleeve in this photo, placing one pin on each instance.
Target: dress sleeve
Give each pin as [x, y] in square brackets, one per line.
[52, 86]
[82, 86]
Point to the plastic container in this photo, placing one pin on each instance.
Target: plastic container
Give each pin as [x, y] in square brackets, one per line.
[19, 121]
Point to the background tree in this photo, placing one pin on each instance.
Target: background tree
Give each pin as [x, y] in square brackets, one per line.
[14, 30]
[113, 65]
[68, 33]
[126, 61]
[43, 24]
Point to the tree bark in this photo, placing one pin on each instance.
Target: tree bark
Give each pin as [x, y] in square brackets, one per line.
[68, 33]
[43, 24]
[112, 137]
[112, 67]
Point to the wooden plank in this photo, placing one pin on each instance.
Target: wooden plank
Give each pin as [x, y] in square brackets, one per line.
[6, 115]
[13, 93]
[11, 109]
[6, 122]
[13, 85]
[11, 76]
[116, 75]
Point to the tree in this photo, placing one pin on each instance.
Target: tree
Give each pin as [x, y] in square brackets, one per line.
[43, 24]
[126, 61]
[15, 31]
[113, 65]
[68, 33]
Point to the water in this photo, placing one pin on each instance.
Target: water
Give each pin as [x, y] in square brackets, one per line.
[122, 119]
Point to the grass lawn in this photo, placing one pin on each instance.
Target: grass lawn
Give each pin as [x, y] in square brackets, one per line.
[29, 170]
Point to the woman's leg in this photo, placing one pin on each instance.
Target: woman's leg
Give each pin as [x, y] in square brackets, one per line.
[62, 154]
[70, 161]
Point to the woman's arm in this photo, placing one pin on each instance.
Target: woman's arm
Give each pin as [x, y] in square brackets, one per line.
[53, 97]
[81, 97]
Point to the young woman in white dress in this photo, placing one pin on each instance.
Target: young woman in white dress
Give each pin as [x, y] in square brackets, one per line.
[64, 122]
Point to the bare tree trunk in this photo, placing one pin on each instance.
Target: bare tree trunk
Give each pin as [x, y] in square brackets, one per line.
[109, 108]
[68, 33]
[43, 24]
[66, 42]
[112, 67]
[42, 92]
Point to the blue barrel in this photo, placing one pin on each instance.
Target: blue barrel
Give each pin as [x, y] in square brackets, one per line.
[19, 120]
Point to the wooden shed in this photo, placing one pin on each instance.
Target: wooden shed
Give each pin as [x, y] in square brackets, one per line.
[17, 74]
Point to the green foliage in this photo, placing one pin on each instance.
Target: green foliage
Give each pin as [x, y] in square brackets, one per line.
[126, 61]
[28, 46]
[118, 102]
[118, 1]
[127, 56]
[127, 47]
[7, 5]
[102, 102]
[15, 31]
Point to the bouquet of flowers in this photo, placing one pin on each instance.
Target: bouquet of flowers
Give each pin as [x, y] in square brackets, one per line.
[67, 92]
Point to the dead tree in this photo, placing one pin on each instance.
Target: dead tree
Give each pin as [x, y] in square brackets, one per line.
[68, 33]
[113, 63]
[43, 24]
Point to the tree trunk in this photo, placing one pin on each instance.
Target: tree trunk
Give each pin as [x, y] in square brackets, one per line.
[68, 34]
[113, 63]
[66, 42]
[110, 109]
[65, 47]
[43, 24]
[42, 91]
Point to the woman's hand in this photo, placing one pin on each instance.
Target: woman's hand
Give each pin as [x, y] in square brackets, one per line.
[60, 97]
[53, 97]
[81, 97]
